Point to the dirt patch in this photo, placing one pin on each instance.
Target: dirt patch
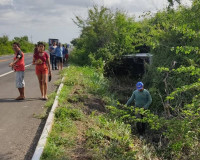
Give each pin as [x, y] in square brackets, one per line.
[80, 152]
[87, 103]
[90, 102]
[94, 104]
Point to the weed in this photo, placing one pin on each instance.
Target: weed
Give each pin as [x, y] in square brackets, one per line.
[100, 137]
[110, 139]
[65, 112]
[47, 105]
[50, 101]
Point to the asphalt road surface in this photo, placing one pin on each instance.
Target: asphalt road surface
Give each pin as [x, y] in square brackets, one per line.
[6, 60]
[19, 129]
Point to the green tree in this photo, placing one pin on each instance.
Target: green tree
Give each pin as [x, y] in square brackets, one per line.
[105, 36]
[6, 44]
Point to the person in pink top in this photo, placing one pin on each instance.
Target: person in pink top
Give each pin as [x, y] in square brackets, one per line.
[42, 68]
[19, 67]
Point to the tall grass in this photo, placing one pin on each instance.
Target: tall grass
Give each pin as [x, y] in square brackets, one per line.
[80, 129]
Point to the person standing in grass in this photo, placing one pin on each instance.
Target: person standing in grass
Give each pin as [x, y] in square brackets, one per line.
[142, 99]
[42, 68]
[19, 67]
[59, 56]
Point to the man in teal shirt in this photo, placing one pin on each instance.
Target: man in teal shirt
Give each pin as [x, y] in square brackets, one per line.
[142, 99]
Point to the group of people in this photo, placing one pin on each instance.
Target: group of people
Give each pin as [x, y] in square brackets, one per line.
[41, 61]
[58, 55]
[141, 97]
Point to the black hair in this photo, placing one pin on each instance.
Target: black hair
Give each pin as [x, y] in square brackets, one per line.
[16, 43]
[41, 43]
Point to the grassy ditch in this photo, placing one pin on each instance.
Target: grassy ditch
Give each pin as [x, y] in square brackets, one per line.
[83, 129]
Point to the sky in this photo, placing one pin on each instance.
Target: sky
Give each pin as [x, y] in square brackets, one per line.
[44, 19]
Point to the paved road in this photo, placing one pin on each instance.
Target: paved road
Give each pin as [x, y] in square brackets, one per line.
[5, 60]
[19, 130]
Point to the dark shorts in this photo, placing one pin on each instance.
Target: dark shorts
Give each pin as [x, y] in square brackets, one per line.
[59, 59]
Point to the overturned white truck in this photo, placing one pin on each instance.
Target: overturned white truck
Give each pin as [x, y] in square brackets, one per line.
[131, 65]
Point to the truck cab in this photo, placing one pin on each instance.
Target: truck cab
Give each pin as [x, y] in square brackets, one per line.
[51, 40]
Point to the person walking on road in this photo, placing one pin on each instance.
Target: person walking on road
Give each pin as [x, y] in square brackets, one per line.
[64, 51]
[142, 99]
[59, 56]
[66, 54]
[42, 68]
[19, 67]
[35, 49]
[53, 55]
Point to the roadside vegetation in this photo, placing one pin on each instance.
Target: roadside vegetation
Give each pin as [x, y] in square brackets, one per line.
[83, 127]
[6, 45]
[92, 121]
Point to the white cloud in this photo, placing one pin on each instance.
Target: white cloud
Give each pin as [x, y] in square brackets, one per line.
[6, 2]
[41, 19]
[112, 2]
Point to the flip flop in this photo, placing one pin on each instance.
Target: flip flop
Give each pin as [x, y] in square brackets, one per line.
[45, 98]
[20, 98]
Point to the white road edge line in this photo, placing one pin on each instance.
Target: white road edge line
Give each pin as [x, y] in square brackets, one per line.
[47, 128]
[12, 71]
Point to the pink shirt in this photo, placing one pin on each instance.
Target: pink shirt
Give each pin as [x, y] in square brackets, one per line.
[43, 58]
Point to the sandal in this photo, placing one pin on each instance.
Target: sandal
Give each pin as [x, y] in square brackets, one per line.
[45, 98]
[20, 98]
[41, 98]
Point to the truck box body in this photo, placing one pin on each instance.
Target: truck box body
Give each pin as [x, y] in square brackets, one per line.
[51, 40]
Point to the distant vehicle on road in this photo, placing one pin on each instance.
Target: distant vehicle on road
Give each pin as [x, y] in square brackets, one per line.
[51, 40]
